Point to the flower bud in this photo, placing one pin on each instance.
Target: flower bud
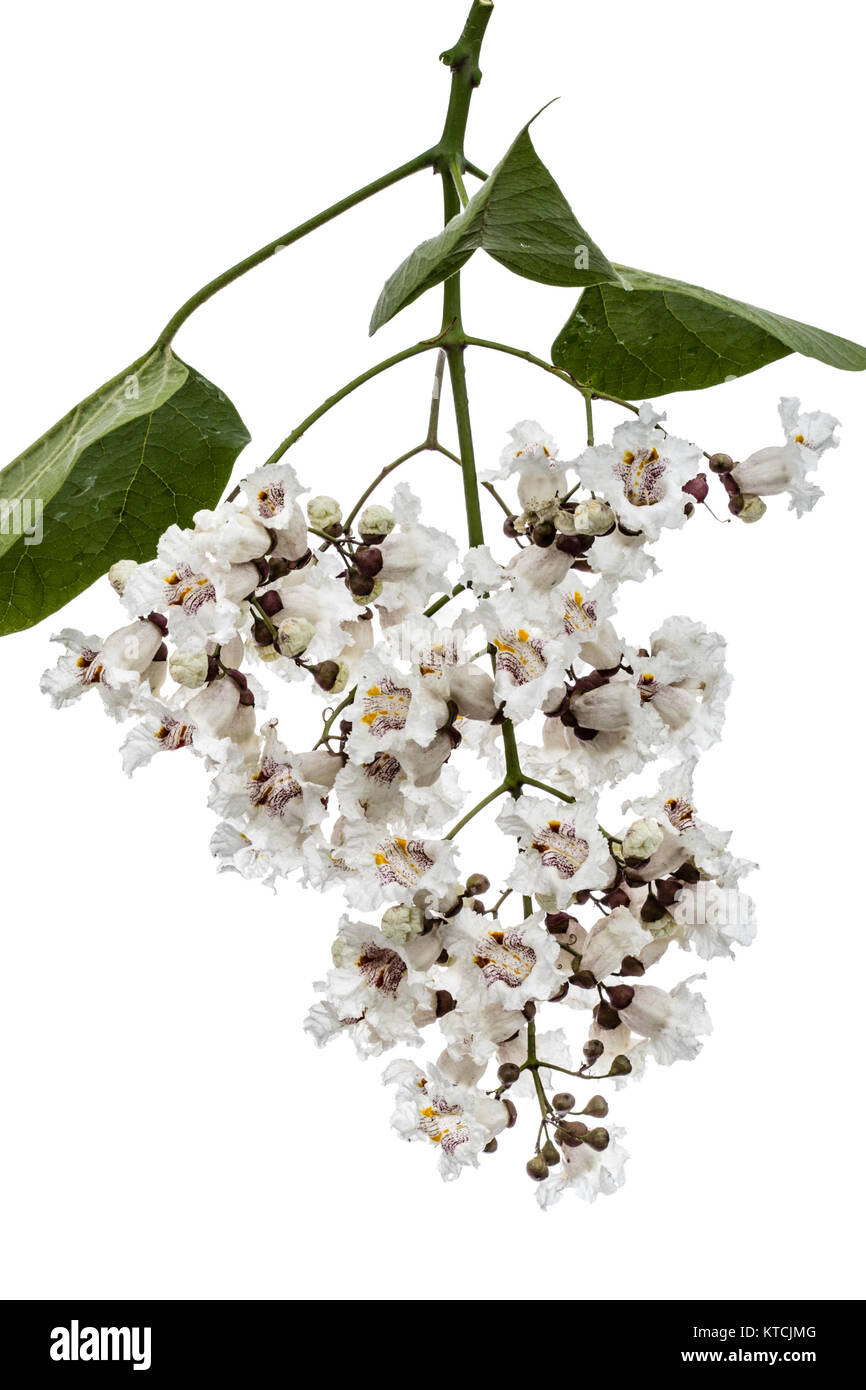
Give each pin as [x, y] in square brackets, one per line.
[597, 1139]
[477, 884]
[584, 979]
[363, 590]
[324, 512]
[511, 1111]
[593, 518]
[368, 561]
[401, 923]
[620, 996]
[544, 534]
[294, 636]
[537, 1168]
[593, 1049]
[375, 523]
[445, 1002]
[120, 574]
[606, 1016]
[642, 840]
[632, 966]
[563, 1100]
[491, 1147]
[747, 507]
[326, 674]
[596, 1107]
[721, 463]
[189, 668]
[550, 1154]
[508, 1073]
[570, 1133]
[620, 1066]
[697, 487]
[271, 602]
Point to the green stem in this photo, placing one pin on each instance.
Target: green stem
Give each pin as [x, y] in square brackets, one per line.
[345, 391]
[380, 478]
[330, 720]
[559, 372]
[441, 602]
[470, 815]
[542, 786]
[421, 161]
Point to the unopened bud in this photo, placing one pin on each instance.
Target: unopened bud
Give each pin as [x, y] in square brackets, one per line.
[557, 922]
[721, 463]
[511, 1111]
[537, 1168]
[597, 1108]
[477, 884]
[368, 561]
[597, 1139]
[584, 979]
[363, 590]
[375, 523]
[620, 1066]
[550, 1154]
[632, 966]
[570, 1133]
[563, 1100]
[445, 1002]
[401, 923]
[189, 669]
[544, 534]
[325, 674]
[606, 1017]
[593, 1049]
[294, 636]
[620, 996]
[593, 518]
[642, 839]
[491, 1147]
[508, 1073]
[120, 574]
[324, 512]
[270, 602]
[747, 507]
[697, 487]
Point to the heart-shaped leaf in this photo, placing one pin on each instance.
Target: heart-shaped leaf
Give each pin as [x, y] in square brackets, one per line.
[653, 335]
[520, 217]
[150, 448]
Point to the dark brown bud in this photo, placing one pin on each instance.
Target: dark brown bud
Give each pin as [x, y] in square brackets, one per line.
[491, 1147]
[687, 873]
[509, 528]
[597, 1139]
[560, 994]
[597, 1108]
[570, 1133]
[270, 602]
[697, 487]
[632, 966]
[575, 546]
[278, 568]
[618, 897]
[667, 890]
[721, 463]
[508, 1073]
[537, 1168]
[161, 653]
[477, 884]
[360, 584]
[620, 1066]
[444, 1003]
[368, 560]
[544, 534]
[593, 1049]
[652, 910]
[264, 568]
[563, 1100]
[620, 996]
[159, 621]
[529, 1010]
[606, 1016]
[325, 674]
[262, 634]
[550, 1154]
[511, 1109]
[584, 979]
[557, 922]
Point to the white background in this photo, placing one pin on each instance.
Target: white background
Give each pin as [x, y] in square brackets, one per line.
[169, 1130]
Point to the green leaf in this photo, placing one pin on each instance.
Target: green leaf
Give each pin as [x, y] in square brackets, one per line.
[150, 448]
[655, 335]
[521, 218]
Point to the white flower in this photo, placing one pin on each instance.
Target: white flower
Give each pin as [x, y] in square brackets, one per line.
[458, 1120]
[271, 493]
[642, 839]
[783, 468]
[200, 598]
[376, 522]
[670, 1023]
[122, 668]
[585, 1172]
[229, 536]
[609, 942]
[561, 848]
[504, 965]
[532, 455]
[392, 868]
[189, 668]
[642, 473]
[415, 561]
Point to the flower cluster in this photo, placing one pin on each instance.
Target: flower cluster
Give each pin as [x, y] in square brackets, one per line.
[531, 687]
